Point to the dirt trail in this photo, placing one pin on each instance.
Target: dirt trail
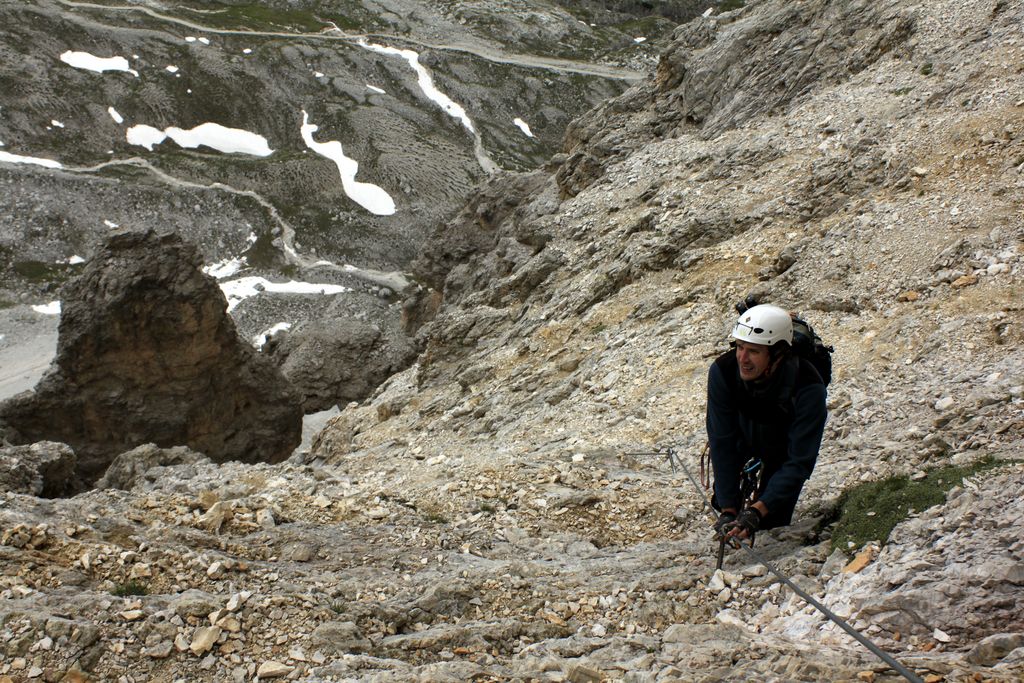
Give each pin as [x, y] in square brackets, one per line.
[331, 32]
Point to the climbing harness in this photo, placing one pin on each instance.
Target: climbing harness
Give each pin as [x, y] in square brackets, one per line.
[674, 459]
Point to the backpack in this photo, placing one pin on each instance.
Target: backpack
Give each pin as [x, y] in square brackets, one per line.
[807, 344]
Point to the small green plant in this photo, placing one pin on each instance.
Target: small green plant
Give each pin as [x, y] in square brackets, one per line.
[130, 587]
[870, 511]
[436, 518]
[926, 68]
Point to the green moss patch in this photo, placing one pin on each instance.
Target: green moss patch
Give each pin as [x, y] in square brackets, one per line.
[870, 511]
[130, 588]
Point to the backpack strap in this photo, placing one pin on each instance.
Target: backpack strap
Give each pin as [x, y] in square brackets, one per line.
[801, 374]
[807, 374]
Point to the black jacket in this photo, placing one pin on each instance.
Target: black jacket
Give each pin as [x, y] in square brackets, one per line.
[780, 421]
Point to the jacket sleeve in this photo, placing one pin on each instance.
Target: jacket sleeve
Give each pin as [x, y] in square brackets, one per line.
[803, 443]
[723, 429]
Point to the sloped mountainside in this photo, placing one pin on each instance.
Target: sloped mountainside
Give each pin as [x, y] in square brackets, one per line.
[495, 511]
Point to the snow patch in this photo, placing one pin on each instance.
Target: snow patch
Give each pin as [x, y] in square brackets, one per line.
[52, 308]
[213, 135]
[114, 115]
[260, 339]
[225, 268]
[144, 136]
[238, 290]
[523, 126]
[426, 83]
[369, 196]
[84, 60]
[35, 161]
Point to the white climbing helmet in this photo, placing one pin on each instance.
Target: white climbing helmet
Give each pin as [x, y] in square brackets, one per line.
[764, 324]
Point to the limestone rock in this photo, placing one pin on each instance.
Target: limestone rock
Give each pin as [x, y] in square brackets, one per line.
[42, 469]
[993, 648]
[130, 468]
[696, 64]
[339, 637]
[147, 353]
[272, 669]
[194, 603]
[203, 639]
[475, 229]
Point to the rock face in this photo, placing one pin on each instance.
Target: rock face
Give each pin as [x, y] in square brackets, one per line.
[147, 353]
[343, 355]
[474, 229]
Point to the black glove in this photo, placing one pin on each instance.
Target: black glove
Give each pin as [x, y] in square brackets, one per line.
[749, 520]
[724, 523]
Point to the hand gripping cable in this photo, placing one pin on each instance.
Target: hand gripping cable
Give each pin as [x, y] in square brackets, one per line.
[674, 459]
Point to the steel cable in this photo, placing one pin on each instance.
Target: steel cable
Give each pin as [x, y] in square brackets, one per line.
[673, 458]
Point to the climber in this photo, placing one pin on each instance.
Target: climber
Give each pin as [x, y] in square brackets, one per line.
[765, 403]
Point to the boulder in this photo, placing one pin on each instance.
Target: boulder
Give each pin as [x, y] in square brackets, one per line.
[340, 637]
[131, 468]
[146, 353]
[346, 354]
[993, 648]
[44, 469]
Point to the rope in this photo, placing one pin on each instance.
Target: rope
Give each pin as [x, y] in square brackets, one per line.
[673, 458]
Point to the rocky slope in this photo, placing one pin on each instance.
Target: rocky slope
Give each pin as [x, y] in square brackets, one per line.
[490, 513]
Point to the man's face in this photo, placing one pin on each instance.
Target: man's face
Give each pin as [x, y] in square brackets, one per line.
[753, 360]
